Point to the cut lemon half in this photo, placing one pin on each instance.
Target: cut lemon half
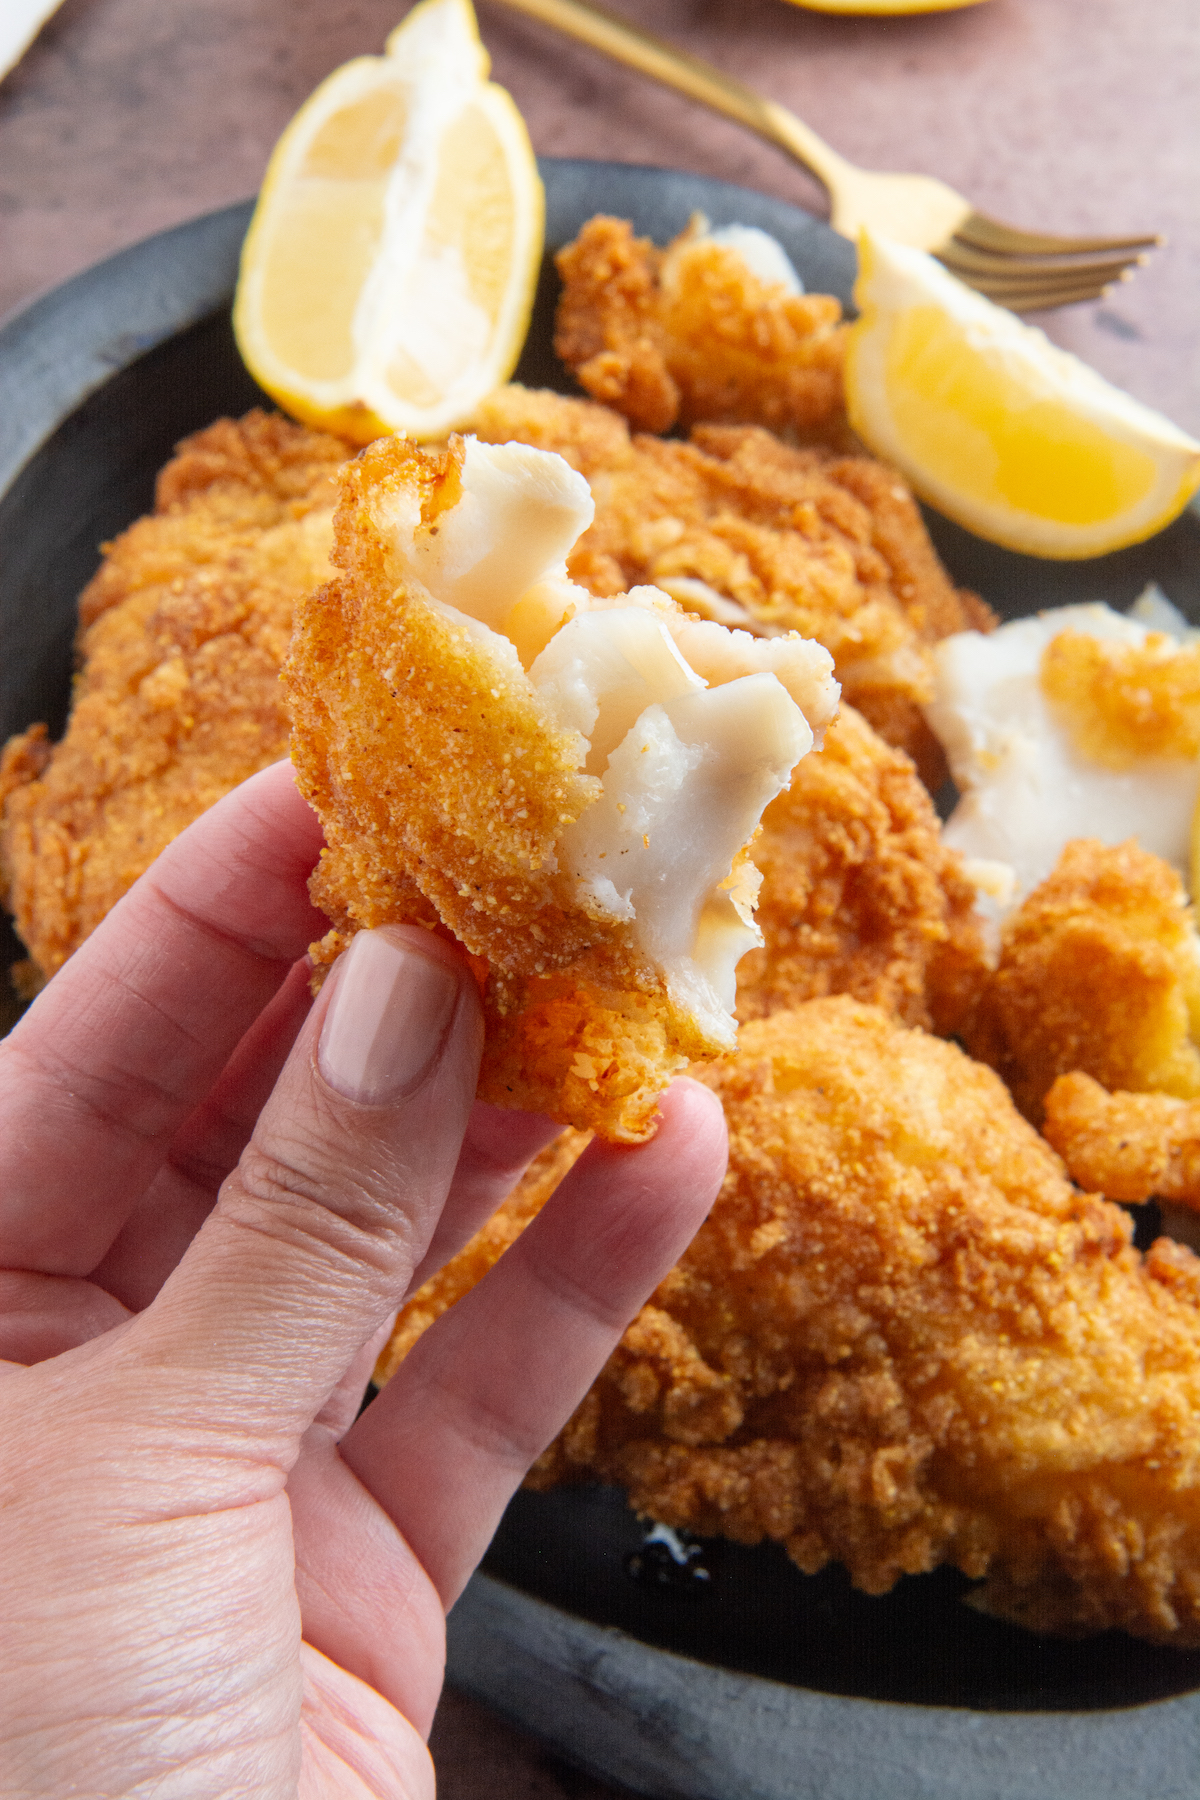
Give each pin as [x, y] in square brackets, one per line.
[388, 274]
[1019, 441]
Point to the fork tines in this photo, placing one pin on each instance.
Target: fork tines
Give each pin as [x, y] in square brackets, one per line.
[1030, 271]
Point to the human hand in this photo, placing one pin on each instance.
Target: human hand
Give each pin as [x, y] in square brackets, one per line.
[212, 1581]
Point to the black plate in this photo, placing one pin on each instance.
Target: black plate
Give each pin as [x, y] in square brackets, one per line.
[658, 1686]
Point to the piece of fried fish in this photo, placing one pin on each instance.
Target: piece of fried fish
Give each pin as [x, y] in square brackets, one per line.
[1099, 971]
[670, 337]
[566, 783]
[859, 894]
[182, 632]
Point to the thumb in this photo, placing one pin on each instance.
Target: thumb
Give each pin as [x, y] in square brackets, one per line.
[316, 1234]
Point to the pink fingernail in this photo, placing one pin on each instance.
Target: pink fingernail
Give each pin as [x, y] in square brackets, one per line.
[387, 1020]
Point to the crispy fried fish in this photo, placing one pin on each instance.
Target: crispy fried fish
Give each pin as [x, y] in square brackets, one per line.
[565, 783]
[859, 894]
[903, 1338]
[670, 337]
[182, 632]
[1131, 1147]
[1099, 971]
[740, 527]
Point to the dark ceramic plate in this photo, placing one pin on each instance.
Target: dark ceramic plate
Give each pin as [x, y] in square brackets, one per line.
[757, 1682]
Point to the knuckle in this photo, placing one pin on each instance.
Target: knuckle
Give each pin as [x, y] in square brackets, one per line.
[306, 1191]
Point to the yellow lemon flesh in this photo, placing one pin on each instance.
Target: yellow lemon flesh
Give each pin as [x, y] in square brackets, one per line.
[388, 274]
[996, 427]
[883, 6]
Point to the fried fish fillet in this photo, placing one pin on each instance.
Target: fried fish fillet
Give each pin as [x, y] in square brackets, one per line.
[565, 783]
[182, 632]
[859, 895]
[738, 526]
[903, 1338]
[670, 337]
[1099, 971]
[1131, 1147]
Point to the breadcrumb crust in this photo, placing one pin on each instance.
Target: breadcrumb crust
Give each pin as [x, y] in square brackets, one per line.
[182, 632]
[1132, 1147]
[1097, 972]
[1123, 703]
[903, 1338]
[859, 895]
[670, 337]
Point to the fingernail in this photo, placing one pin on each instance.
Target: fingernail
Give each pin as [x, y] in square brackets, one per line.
[385, 1025]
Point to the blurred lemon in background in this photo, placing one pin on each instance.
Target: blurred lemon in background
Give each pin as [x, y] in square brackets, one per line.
[883, 6]
[388, 274]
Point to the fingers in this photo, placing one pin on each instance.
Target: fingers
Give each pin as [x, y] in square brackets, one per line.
[488, 1386]
[43, 1315]
[365, 1602]
[316, 1234]
[497, 1150]
[342, 1406]
[204, 1151]
[134, 1030]
[352, 1742]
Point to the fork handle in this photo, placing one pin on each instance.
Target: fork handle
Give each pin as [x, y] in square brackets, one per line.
[687, 74]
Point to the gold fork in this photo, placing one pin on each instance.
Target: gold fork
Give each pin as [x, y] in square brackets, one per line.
[1024, 270]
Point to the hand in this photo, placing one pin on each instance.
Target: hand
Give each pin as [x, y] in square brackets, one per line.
[214, 1193]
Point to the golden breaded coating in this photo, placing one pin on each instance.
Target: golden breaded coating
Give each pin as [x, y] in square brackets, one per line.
[903, 1338]
[182, 633]
[448, 784]
[1123, 702]
[593, 439]
[1098, 971]
[859, 895]
[797, 540]
[460, 1274]
[1131, 1147]
[674, 336]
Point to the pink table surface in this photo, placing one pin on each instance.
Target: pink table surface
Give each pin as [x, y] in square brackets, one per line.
[1074, 115]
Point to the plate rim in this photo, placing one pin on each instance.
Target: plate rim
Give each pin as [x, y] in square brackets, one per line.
[670, 1726]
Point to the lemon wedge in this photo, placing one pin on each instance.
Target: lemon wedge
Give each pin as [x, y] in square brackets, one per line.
[388, 275]
[1019, 441]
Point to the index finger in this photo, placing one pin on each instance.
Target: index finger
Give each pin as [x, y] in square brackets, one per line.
[134, 1029]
